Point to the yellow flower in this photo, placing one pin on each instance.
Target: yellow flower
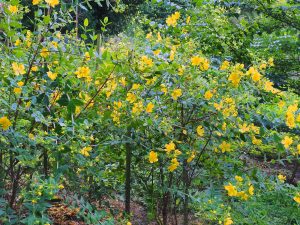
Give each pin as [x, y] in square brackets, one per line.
[263, 66]
[256, 76]
[20, 83]
[290, 120]
[292, 108]
[87, 56]
[135, 86]
[177, 152]
[208, 95]
[52, 3]
[238, 178]
[31, 136]
[172, 19]
[287, 141]
[225, 147]
[128, 223]
[147, 61]
[35, 2]
[149, 107]
[242, 195]
[163, 88]
[17, 90]
[51, 75]
[170, 147]
[137, 107]
[86, 151]
[251, 190]
[156, 52]
[18, 42]
[34, 68]
[228, 221]
[244, 128]
[123, 81]
[176, 94]
[181, 70]
[177, 15]
[225, 65]
[55, 44]
[44, 52]
[159, 38]
[5, 123]
[196, 60]
[153, 157]
[218, 106]
[13, 9]
[33, 201]
[269, 85]
[200, 131]
[191, 157]
[131, 97]
[298, 148]
[256, 141]
[204, 65]
[297, 198]
[235, 78]
[19, 69]
[281, 178]
[231, 190]
[172, 55]
[174, 165]
[84, 72]
[149, 35]
[188, 20]
[61, 186]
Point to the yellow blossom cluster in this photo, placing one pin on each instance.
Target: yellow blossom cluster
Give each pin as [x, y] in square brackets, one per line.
[227, 107]
[192, 155]
[203, 63]
[111, 86]
[18, 68]
[84, 72]
[236, 74]
[255, 75]
[176, 93]
[116, 114]
[86, 151]
[172, 19]
[287, 141]
[297, 198]
[268, 86]
[13, 9]
[153, 157]
[52, 3]
[171, 148]
[238, 190]
[146, 62]
[5, 123]
[225, 65]
[290, 115]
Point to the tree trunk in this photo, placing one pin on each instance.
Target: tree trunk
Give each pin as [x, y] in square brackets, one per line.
[128, 147]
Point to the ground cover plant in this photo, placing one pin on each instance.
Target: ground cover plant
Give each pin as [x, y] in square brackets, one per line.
[180, 119]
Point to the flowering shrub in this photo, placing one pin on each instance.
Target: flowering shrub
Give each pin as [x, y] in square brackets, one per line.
[74, 113]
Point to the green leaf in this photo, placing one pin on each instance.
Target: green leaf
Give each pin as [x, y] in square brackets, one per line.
[105, 20]
[86, 22]
[47, 19]
[64, 100]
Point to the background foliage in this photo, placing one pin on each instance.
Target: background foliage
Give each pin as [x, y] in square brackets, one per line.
[189, 108]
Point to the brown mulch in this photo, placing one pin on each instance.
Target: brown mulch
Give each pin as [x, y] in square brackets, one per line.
[61, 214]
